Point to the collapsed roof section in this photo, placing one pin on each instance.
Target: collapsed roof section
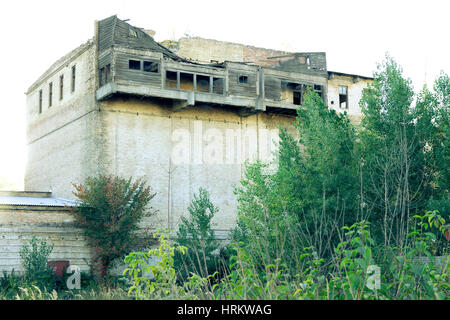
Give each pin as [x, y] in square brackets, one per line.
[112, 31]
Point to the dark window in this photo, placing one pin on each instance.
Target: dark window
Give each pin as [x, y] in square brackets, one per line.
[151, 66]
[243, 79]
[297, 97]
[134, 64]
[101, 77]
[171, 79]
[61, 87]
[50, 94]
[107, 73]
[72, 87]
[343, 97]
[186, 81]
[218, 85]
[202, 83]
[318, 89]
[40, 101]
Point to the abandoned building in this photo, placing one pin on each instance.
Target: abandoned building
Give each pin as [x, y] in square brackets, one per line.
[183, 116]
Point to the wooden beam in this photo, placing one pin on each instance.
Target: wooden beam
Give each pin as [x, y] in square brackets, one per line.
[178, 105]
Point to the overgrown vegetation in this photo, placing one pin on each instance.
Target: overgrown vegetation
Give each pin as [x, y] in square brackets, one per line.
[345, 212]
[413, 273]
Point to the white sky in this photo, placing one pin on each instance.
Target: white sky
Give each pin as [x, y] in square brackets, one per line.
[354, 34]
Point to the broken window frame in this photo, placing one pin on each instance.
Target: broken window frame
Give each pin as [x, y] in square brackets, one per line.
[152, 63]
[132, 32]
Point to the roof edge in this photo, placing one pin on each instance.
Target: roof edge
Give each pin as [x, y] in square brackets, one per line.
[56, 66]
[349, 75]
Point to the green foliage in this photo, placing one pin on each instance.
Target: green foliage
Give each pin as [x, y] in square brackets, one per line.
[163, 285]
[403, 151]
[10, 284]
[303, 198]
[110, 213]
[196, 233]
[34, 256]
[411, 273]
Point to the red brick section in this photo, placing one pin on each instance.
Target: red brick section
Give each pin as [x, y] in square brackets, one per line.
[259, 56]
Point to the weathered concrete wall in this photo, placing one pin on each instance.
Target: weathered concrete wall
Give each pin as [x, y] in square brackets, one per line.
[19, 224]
[354, 95]
[199, 146]
[63, 140]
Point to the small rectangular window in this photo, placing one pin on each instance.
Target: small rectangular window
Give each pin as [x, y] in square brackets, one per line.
[101, 77]
[243, 79]
[72, 86]
[50, 94]
[107, 73]
[150, 66]
[40, 101]
[134, 64]
[343, 97]
[61, 87]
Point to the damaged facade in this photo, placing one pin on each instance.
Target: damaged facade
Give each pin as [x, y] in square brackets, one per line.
[126, 105]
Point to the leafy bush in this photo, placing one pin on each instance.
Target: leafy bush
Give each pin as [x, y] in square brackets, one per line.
[34, 257]
[10, 284]
[163, 284]
[110, 213]
[196, 234]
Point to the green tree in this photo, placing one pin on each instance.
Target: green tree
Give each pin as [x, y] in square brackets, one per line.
[110, 212]
[304, 198]
[196, 233]
[401, 149]
[433, 121]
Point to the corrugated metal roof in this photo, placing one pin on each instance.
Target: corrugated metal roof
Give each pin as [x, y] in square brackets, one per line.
[35, 201]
